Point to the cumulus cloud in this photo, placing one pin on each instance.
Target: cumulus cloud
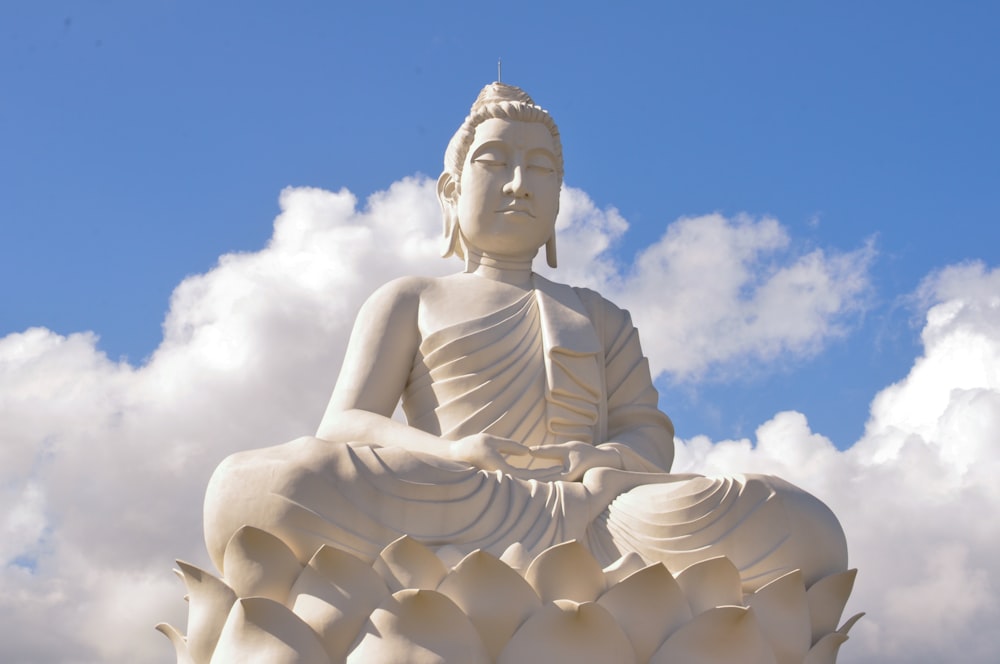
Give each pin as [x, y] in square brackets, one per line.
[714, 293]
[103, 464]
[917, 494]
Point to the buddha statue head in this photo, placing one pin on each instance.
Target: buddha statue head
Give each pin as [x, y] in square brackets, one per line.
[503, 171]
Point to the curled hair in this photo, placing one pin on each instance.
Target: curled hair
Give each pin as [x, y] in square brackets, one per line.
[505, 102]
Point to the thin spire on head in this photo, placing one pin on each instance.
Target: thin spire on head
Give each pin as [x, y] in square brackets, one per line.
[499, 63]
[496, 93]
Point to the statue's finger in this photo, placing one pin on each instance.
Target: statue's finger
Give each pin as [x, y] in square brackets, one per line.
[505, 446]
[551, 452]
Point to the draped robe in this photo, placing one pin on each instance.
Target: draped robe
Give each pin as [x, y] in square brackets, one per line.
[560, 364]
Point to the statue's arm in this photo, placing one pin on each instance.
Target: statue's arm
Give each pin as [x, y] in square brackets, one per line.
[383, 344]
[636, 427]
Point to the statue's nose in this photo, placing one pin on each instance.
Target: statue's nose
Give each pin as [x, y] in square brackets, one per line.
[516, 186]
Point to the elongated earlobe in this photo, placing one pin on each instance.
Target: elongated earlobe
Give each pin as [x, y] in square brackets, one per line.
[447, 192]
[550, 250]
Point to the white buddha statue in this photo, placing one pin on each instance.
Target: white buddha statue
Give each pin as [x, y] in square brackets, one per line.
[531, 415]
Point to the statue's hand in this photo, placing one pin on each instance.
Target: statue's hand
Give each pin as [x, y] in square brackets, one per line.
[578, 457]
[489, 452]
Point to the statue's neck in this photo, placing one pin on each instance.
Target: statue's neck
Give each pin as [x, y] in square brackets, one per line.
[514, 271]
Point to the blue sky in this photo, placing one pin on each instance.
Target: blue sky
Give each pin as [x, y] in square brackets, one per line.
[141, 141]
[145, 139]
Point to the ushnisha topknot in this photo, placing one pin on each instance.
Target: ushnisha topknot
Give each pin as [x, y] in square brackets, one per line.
[506, 102]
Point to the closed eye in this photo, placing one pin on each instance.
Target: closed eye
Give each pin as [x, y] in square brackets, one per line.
[540, 161]
[489, 161]
[490, 155]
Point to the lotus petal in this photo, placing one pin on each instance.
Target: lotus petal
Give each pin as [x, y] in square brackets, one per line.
[516, 556]
[783, 614]
[826, 649]
[624, 567]
[261, 630]
[406, 563]
[711, 583]
[827, 598]
[846, 627]
[334, 595]
[494, 597]
[418, 627]
[566, 571]
[723, 635]
[649, 606]
[176, 638]
[565, 631]
[209, 601]
[258, 564]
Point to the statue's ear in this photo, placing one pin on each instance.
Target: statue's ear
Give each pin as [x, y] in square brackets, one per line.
[550, 246]
[447, 190]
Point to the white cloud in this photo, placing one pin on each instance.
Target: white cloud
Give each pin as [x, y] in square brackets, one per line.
[103, 465]
[714, 292]
[917, 494]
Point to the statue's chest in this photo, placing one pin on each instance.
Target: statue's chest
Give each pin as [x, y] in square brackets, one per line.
[486, 375]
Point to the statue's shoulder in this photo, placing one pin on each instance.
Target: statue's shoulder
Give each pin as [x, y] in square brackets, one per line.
[610, 320]
[603, 313]
[592, 298]
[599, 306]
[405, 296]
[396, 300]
[402, 289]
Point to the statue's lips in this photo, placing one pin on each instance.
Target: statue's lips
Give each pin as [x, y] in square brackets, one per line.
[514, 211]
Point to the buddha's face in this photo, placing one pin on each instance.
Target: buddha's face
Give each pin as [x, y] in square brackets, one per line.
[508, 195]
